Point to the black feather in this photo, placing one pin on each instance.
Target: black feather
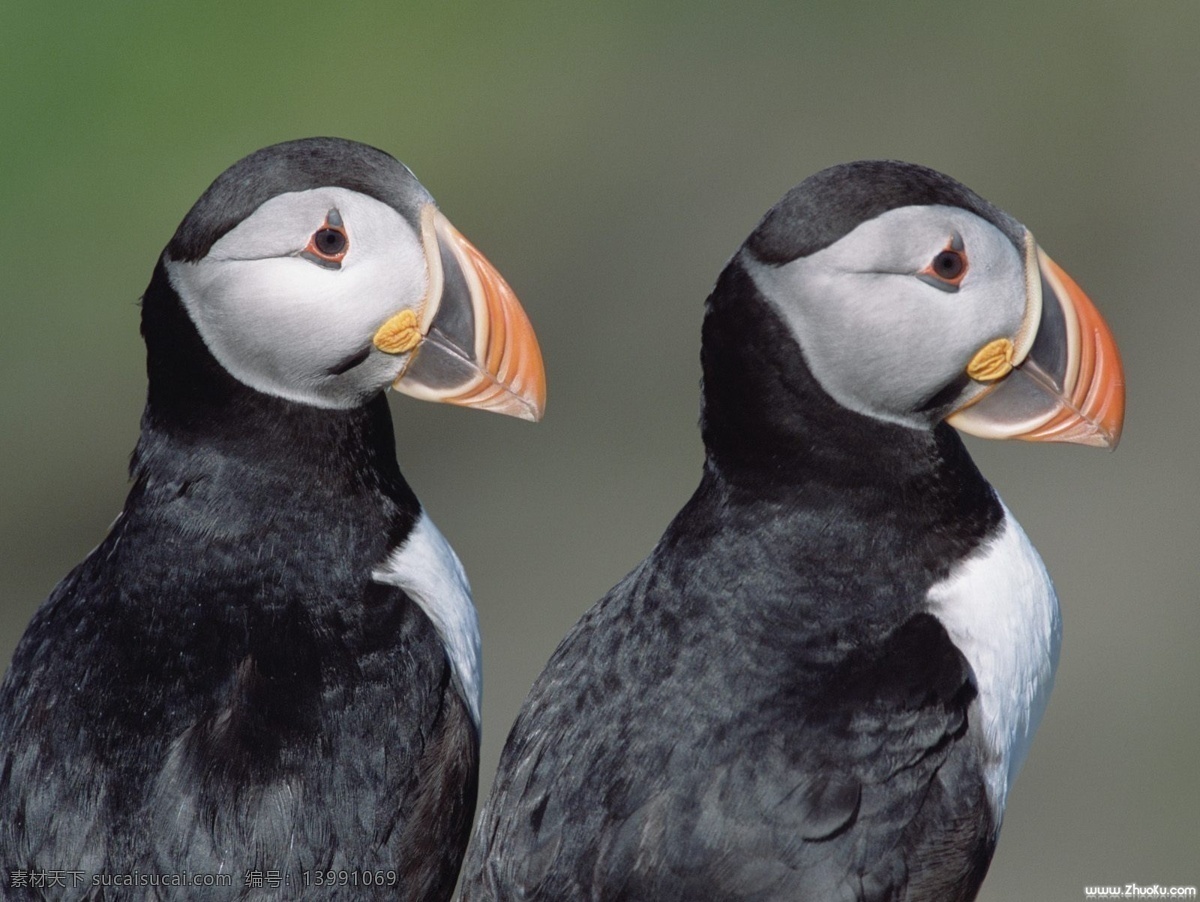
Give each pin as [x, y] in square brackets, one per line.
[833, 202]
[763, 709]
[295, 166]
[221, 687]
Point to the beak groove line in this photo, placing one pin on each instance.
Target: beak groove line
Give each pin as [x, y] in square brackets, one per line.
[1093, 411]
[511, 377]
[1066, 385]
[486, 355]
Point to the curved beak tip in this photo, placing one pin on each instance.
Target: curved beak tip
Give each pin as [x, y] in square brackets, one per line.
[1069, 386]
[478, 347]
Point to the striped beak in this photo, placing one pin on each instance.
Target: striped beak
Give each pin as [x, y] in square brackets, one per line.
[1062, 380]
[469, 342]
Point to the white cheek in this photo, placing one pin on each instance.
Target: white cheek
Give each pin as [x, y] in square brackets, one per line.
[288, 317]
[279, 227]
[865, 336]
[879, 340]
[282, 324]
[875, 329]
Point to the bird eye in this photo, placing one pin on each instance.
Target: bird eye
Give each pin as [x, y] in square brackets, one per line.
[328, 245]
[330, 242]
[949, 265]
[947, 269]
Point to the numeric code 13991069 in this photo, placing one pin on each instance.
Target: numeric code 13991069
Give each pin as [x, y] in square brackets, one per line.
[349, 878]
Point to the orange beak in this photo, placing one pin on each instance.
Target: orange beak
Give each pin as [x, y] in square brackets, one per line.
[470, 343]
[1066, 382]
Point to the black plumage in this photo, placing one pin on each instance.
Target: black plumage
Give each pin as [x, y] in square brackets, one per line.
[224, 686]
[225, 651]
[773, 705]
[830, 204]
[762, 707]
[294, 166]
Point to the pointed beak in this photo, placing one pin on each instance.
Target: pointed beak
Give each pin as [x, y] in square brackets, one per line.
[470, 342]
[1059, 379]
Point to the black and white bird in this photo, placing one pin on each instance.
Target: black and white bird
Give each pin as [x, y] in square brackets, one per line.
[824, 678]
[269, 669]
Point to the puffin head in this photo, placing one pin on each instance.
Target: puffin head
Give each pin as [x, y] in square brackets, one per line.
[914, 301]
[322, 272]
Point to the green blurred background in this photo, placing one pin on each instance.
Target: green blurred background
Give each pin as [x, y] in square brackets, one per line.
[608, 158]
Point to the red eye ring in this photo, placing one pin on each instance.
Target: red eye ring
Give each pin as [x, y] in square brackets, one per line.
[949, 266]
[329, 244]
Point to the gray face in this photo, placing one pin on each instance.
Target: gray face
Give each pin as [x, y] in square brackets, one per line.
[282, 320]
[879, 329]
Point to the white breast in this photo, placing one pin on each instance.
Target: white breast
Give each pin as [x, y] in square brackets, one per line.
[1000, 609]
[427, 568]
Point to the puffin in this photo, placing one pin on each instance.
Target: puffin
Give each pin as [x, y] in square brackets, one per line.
[822, 681]
[265, 681]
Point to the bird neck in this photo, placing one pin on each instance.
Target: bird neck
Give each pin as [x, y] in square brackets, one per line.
[812, 523]
[772, 434]
[765, 417]
[200, 423]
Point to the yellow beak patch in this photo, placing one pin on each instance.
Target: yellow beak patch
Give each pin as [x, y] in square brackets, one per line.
[400, 334]
[991, 362]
